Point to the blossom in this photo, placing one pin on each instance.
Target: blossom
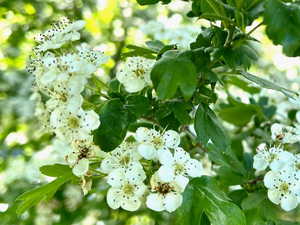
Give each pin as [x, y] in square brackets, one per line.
[82, 151]
[127, 189]
[275, 157]
[134, 74]
[60, 33]
[283, 188]
[178, 166]
[151, 142]
[164, 195]
[285, 134]
[73, 125]
[124, 156]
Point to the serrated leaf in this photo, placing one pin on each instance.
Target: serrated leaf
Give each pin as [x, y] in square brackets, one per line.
[209, 128]
[204, 195]
[283, 22]
[174, 72]
[45, 192]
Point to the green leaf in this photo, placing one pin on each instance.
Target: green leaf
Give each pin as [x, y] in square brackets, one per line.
[56, 170]
[138, 105]
[190, 212]
[239, 115]
[243, 85]
[139, 51]
[114, 123]
[268, 84]
[283, 22]
[155, 45]
[45, 192]
[253, 200]
[174, 72]
[181, 112]
[150, 2]
[208, 127]
[204, 195]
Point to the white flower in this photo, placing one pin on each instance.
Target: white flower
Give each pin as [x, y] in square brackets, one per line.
[127, 189]
[178, 166]
[165, 195]
[285, 134]
[283, 188]
[124, 156]
[73, 125]
[60, 33]
[151, 142]
[276, 158]
[84, 62]
[82, 151]
[134, 74]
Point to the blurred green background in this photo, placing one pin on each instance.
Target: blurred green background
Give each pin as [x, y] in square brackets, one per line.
[110, 26]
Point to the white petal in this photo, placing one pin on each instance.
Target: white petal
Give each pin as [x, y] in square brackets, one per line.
[72, 158]
[271, 179]
[81, 167]
[56, 118]
[133, 84]
[155, 202]
[140, 190]
[142, 134]
[113, 198]
[194, 168]
[259, 162]
[274, 196]
[135, 174]
[147, 151]
[108, 164]
[165, 157]
[298, 116]
[166, 173]
[74, 103]
[116, 178]
[181, 156]
[181, 182]
[283, 158]
[289, 202]
[131, 204]
[172, 201]
[92, 121]
[171, 138]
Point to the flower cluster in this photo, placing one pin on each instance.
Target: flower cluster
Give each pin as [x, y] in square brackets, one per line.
[283, 178]
[134, 73]
[181, 36]
[61, 72]
[157, 156]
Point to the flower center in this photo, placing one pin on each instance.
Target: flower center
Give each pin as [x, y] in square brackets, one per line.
[272, 157]
[128, 189]
[73, 122]
[63, 97]
[284, 187]
[125, 160]
[179, 168]
[83, 153]
[139, 72]
[164, 188]
[158, 142]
